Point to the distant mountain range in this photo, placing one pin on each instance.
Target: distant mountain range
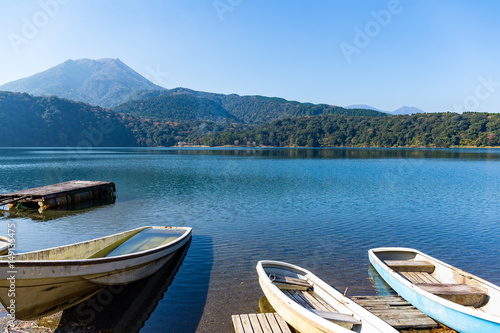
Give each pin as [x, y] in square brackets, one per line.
[401, 110]
[89, 103]
[103, 82]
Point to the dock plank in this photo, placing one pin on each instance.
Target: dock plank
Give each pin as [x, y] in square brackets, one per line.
[254, 321]
[271, 318]
[260, 323]
[266, 328]
[396, 312]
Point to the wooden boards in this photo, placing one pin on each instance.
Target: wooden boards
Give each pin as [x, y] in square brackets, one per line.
[396, 312]
[60, 195]
[410, 266]
[459, 293]
[260, 323]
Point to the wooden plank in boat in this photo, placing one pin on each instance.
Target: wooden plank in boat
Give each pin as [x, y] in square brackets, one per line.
[319, 303]
[287, 282]
[459, 293]
[295, 297]
[315, 304]
[337, 317]
[420, 277]
[410, 265]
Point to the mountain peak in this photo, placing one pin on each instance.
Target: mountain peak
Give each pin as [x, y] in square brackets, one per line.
[105, 82]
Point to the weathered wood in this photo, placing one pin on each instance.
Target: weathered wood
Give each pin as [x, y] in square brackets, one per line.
[459, 293]
[420, 277]
[266, 328]
[337, 317]
[396, 311]
[282, 324]
[237, 325]
[287, 282]
[410, 265]
[62, 194]
[245, 321]
[259, 323]
[255, 323]
[271, 319]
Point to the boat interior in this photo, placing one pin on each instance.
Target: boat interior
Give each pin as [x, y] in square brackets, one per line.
[423, 273]
[129, 242]
[302, 292]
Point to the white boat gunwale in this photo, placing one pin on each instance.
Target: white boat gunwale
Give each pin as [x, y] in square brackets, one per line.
[440, 300]
[309, 316]
[89, 261]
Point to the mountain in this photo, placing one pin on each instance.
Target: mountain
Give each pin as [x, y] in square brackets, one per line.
[401, 110]
[103, 82]
[362, 106]
[29, 121]
[407, 110]
[250, 110]
[176, 108]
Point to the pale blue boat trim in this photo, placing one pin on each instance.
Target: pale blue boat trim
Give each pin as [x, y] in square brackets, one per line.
[455, 319]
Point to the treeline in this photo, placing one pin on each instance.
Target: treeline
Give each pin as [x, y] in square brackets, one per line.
[418, 130]
[28, 121]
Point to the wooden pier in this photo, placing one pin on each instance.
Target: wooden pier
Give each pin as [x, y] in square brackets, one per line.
[393, 309]
[60, 195]
[396, 312]
[260, 323]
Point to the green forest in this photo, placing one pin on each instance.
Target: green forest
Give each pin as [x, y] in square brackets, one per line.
[220, 120]
[418, 130]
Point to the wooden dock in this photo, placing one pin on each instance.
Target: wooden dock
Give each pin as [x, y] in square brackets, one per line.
[393, 309]
[396, 312]
[260, 323]
[59, 195]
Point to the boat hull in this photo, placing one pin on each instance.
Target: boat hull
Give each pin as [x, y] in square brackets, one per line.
[455, 316]
[44, 287]
[304, 320]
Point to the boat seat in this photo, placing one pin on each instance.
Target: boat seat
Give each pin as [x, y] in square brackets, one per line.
[410, 265]
[459, 293]
[337, 317]
[287, 282]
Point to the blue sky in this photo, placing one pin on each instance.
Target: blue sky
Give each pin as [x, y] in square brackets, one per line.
[434, 55]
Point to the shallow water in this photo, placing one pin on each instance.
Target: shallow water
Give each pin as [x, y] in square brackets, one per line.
[321, 209]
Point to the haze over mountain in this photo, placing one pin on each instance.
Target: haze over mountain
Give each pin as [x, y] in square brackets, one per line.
[401, 110]
[103, 82]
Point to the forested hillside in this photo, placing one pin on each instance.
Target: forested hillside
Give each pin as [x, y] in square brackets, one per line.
[169, 120]
[251, 110]
[50, 121]
[419, 130]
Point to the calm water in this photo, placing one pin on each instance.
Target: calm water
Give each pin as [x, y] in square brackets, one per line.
[318, 208]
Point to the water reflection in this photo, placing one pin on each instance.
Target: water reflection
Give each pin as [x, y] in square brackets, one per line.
[382, 288]
[52, 214]
[122, 308]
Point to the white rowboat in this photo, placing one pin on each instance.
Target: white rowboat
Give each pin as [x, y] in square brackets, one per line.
[4, 245]
[451, 296]
[311, 305]
[43, 282]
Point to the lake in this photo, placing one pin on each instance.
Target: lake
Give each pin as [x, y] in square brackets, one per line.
[321, 209]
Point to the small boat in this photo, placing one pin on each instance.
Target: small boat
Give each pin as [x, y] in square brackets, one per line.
[311, 305]
[40, 283]
[4, 245]
[457, 299]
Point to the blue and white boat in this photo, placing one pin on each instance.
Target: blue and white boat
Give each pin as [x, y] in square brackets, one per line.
[457, 299]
